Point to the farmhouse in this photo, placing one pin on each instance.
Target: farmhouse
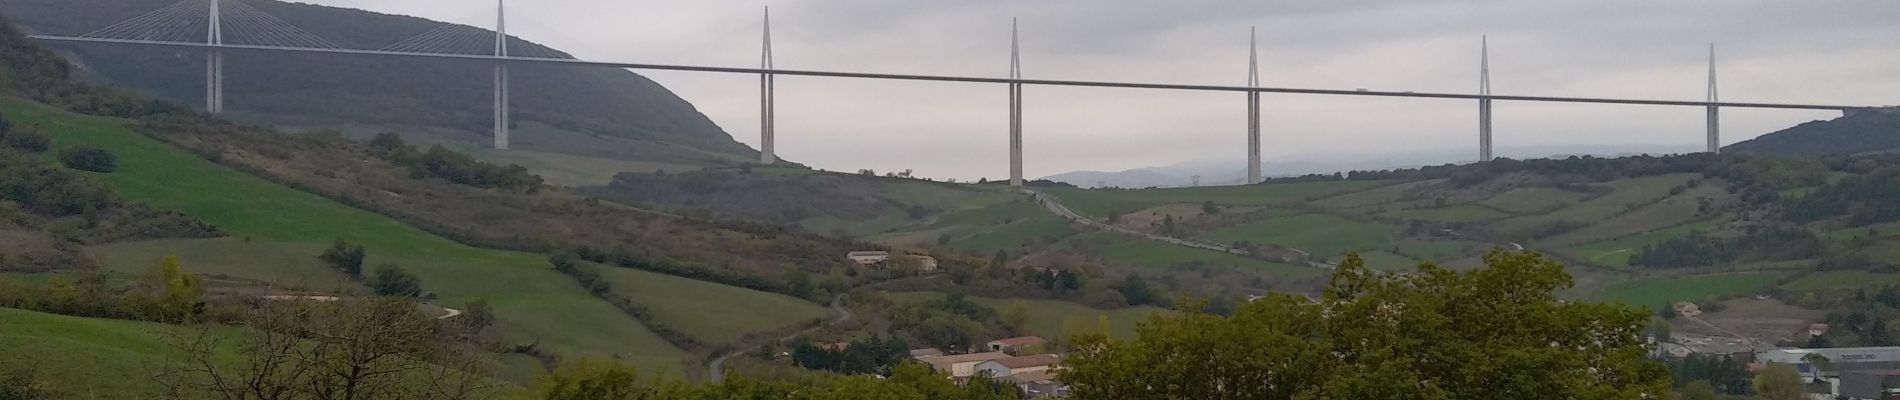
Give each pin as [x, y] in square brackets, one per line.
[961, 366]
[1007, 367]
[868, 257]
[1039, 384]
[1018, 346]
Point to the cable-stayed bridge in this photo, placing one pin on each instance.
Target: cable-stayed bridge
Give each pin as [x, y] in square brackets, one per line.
[220, 26]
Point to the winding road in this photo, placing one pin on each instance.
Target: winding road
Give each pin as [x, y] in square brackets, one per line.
[717, 368]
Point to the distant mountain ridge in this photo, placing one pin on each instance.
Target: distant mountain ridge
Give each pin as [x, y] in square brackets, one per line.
[1232, 171]
[598, 112]
[1868, 131]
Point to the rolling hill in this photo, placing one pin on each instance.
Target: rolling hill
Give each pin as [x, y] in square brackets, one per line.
[594, 112]
[1859, 132]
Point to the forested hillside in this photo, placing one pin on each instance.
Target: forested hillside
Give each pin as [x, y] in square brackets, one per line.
[588, 111]
[1863, 132]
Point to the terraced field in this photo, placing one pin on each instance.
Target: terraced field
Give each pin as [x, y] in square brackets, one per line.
[1322, 235]
[712, 313]
[1459, 213]
[1655, 292]
[1152, 254]
[1535, 200]
[1617, 252]
[1046, 316]
[1101, 203]
[1624, 194]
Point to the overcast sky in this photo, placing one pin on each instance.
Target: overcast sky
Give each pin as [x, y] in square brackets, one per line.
[1835, 52]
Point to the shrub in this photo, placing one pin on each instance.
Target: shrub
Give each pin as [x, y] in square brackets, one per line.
[28, 141]
[392, 280]
[90, 159]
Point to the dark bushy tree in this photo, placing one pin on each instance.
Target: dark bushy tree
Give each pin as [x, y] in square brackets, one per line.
[345, 257]
[392, 280]
[90, 159]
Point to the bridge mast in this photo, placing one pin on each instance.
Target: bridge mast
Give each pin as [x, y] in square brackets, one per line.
[214, 61]
[1484, 102]
[1015, 108]
[1715, 119]
[1253, 108]
[767, 143]
[501, 76]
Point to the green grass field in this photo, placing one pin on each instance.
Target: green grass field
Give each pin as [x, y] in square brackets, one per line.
[1101, 203]
[1369, 198]
[1624, 193]
[1385, 261]
[1152, 254]
[1616, 252]
[713, 313]
[1841, 280]
[1046, 316]
[1534, 200]
[1435, 250]
[1007, 224]
[532, 301]
[1656, 292]
[1668, 212]
[86, 357]
[1322, 235]
[1459, 213]
[291, 266]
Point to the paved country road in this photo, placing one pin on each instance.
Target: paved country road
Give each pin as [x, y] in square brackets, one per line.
[716, 369]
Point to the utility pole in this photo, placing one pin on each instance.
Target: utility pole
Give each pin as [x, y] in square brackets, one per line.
[1715, 118]
[1253, 107]
[1015, 107]
[768, 153]
[501, 76]
[214, 61]
[1484, 103]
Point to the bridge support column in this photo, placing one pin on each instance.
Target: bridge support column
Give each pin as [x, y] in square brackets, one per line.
[768, 144]
[1484, 130]
[1253, 138]
[214, 82]
[1015, 109]
[501, 107]
[1715, 118]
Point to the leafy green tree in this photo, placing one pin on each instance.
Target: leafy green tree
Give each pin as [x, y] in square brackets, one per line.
[1208, 207]
[1699, 390]
[345, 257]
[1017, 316]
[1778, 382]
[168, 293]
[27, 141]
[4, 125]
[21, 384]
[392, 280]
[1496, 332]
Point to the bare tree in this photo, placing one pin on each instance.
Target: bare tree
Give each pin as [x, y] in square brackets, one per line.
[344, 350]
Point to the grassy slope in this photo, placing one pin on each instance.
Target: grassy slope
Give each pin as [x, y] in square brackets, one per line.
[1045, 316]
[1624, 193]
[1668, 212]
[713, 313]
[1841, 280]
[532, 301]
[1534, 200]
[1435, 250]
[1100, 203]
[1152, 254]
[289, 265]
[86, 357]
[1322, 235]
[1616, 252]
[1459, 213]
[1368, 198]
[1655, 292]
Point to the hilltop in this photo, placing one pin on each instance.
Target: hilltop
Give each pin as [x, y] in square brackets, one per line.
[1860, 132]
[594, 112]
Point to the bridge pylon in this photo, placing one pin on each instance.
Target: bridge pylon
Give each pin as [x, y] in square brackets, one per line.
[1253, 108]
[1484, 100]
[214, 61]
[1015, 108]
[768, 143]
[1715, 117]
[501, 76]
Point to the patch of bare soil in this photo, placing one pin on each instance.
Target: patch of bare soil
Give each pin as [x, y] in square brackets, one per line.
[1149, 220]
[1765, 320]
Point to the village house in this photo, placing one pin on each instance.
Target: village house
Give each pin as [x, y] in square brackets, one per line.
[868, 257]
[1007, 367]
[961, 366]
[1018, 346]
[925, 263]
[1039, 384]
